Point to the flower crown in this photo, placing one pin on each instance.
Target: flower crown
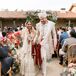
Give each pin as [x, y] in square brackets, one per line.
[29, 19]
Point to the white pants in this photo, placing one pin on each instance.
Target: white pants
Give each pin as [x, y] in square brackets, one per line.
[43, 56]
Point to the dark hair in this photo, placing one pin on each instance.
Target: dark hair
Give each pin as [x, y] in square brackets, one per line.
[20, 28]
[3, 34]
[64, 29]
[16, 29]
[28, 22]
[60, 27]
[73, 34]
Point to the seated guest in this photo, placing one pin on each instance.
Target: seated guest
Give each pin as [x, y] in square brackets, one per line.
[5, 59]
[63, 36]
[69, 41]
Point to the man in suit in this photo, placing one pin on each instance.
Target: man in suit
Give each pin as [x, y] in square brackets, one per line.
[46, 38]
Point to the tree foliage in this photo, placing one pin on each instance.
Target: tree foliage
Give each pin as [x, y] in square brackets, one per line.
[34, 16]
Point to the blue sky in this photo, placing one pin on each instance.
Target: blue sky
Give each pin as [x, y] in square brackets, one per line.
[36, 4]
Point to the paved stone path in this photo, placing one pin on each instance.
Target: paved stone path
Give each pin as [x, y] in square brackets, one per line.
[53, 68]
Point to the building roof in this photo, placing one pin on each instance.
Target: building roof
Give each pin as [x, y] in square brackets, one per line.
[66, 15]
[73, 5]
[22, 14]
[12, 14]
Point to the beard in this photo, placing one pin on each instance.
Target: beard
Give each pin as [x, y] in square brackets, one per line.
[43, 22]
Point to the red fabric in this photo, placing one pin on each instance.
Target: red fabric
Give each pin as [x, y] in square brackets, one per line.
[17, 33]
[36, 53]
[17, 43]
[3, 39]
[10, 36]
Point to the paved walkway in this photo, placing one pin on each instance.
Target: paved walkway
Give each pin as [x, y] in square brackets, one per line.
[53, 68]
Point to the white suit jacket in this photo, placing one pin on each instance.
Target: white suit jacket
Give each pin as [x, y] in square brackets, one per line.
[48, 33]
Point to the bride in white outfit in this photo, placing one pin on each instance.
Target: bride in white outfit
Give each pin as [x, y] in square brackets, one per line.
[27, 67]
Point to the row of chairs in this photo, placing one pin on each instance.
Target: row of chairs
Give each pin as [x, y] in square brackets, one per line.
[71, 52]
